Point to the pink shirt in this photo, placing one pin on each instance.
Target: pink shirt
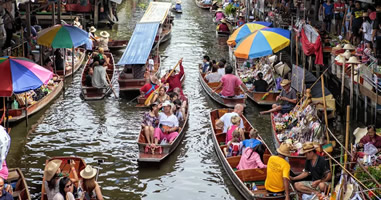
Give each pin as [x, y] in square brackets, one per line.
[250, 163]
[4, 171]
[219, 16]
[230, 82]
[229, 134]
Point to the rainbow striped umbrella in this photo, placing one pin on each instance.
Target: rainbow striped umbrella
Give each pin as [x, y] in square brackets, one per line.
[262, 43]
[62, 36]
[18, 75]
[246, 30]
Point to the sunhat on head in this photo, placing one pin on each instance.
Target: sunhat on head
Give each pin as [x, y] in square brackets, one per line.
[166, 103]
[178, 2]
[349, 47]
[307, 147]
[353, 60]
[88, 172]
[51, 169]
[285, 82]
[105, 34]
[284, 149]
[92, 29]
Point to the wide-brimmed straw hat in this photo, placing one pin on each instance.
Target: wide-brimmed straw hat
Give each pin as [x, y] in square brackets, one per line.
[349, 47]
[285, 82]
[105, 34]
[353, 60]
[88, 172]
[178, 2]
[284, 149]
[51, 169]
[340, 59]
[92, 29]
[307, 147]
[337, 47]
[347, 54]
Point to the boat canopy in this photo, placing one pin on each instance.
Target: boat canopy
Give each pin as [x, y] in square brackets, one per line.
[156, 12]
[140, 44]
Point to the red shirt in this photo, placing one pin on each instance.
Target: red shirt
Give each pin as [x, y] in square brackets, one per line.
[339, 6]
[223, 27]
[367, 139]
[147, 89]
[230, 82]
[175, 81]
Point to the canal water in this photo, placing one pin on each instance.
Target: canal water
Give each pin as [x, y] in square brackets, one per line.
[108, 129]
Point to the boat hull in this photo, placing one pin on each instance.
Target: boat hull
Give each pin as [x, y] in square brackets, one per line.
[203, 6]
[21, 192]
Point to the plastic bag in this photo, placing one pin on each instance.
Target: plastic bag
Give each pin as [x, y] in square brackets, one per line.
[370, 149]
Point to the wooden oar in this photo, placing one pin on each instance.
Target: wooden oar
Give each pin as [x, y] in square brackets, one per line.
[149, 98]
[112, 88]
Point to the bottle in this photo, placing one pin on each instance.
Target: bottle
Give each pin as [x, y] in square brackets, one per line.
[254, 187]
[15, 105]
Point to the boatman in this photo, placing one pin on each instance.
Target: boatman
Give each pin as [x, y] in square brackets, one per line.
[150, 87]
[288, 98]
[174, 81]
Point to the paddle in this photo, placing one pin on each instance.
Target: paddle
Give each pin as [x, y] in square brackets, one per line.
[112, 88]
[149, 98]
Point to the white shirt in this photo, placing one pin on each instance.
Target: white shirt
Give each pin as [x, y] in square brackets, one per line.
[367, 29]
[52, 193]
[226, 119]
[170, 121]
[5, 143]
[59, 196]
[213, 77]
[221, 71]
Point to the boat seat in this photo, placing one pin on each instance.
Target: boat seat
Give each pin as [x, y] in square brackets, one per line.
[213, 85]
[13, 175]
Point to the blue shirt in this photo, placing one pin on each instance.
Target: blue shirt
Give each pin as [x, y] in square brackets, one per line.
[6, 196]
[328, 9]
[178, 7]
[205, 67]
[251, 143]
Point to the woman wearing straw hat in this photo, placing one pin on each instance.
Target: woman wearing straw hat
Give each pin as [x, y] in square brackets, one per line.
[316, 167]
[89, 185]
[92, 32]
[53, 175]
[103, 41]
[219, 14]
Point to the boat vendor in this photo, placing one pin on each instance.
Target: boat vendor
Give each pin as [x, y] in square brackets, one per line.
[103, 41]
[219, 14]
[229, 82]
[225, 120]
[150, 87]
[168, 125]
[371, 137]
[260, 85]
[223, 26]
[178, 5]
[287, 96]
[317, 168]
[278, 172]
[174, 81]
[58, 59]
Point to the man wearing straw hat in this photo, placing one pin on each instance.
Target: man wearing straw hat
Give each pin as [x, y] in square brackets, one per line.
[103, 41]
[287, 96]
[278, 172]
[316, 167]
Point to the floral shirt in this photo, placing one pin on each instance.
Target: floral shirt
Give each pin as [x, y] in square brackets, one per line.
[149, 120]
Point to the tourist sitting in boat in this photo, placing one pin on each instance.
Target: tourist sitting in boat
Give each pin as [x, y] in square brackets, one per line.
[223, 26]
[232, 148]
[150, 87]
[90, 187]
[214, 76]
[102, 56]
[219, 14]
[252, 142]
[150, 122]
[229, 82]
[278, 172]
[241, 21]
[225, 120]
[317, 168]
[103, 40]
[168, 127]
[53, 175]
[252, 158]
[173, 96]
[99, 79]
[205, 64]
[177, 110]
[65, 190]
[235, 121]
[48, 64]
[4, 195]
[89, 77]
[371, 137]
[183, 99]
[287, 96]
[160, 96]
[221, 68]
[58, 59]
[260, 85]
[178, 5]
[174, 80]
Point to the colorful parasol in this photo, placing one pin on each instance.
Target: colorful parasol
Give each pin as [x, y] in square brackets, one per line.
[62, 36]
[262, 43]
[18, 75]
[246, 30]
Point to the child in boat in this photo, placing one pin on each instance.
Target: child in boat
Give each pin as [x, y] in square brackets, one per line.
[232, 148]
[252, 142]
[236, 121]
[251, 158]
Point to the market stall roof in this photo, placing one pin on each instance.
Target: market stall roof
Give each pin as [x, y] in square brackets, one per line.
[156, 12]
[140, 44]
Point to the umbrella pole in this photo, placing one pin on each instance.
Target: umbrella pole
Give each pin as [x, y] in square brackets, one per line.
[26, 109]
[72, 62]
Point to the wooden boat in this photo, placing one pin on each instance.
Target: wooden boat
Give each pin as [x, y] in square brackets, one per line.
[225, 101]
[19, 114]
[17, 181]
[65, 169]
[127, 79]
[93, 93]
[77, 63]
[223, 33]
[165, 33]
[202, 5]
[177, 11]
[141, 99]
[159, 154]
[297, 162]
[115, 45]
[241, 178]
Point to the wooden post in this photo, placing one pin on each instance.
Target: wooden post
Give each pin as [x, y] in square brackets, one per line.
[28, 23]
[342, 86]
[7, 113]
[375, 102]
[357, 93]
[59, 11]
[325, 106]
[26, 109]
[351, 87]
[96, 12]
[347, 135]
[291, 43]
[365, 109]
[297, 50]
[72, 62]
[53, 13]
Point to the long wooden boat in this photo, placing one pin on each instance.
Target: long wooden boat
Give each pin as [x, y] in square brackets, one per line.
[17, 181]
[176, 11]
[115, 45]
[223, 33]
[19, 114]
[297, 162]
[164, 151]
[202, 5]
[65, 169]
[77, 63]
[141, 99]
[261, 98]
[165, 34]
[93, 93]
[241, 178]
[128, 82]
[225, 101]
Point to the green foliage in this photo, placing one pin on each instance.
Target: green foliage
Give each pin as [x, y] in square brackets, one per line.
[230, 10]
[366, 179]
[143, 6]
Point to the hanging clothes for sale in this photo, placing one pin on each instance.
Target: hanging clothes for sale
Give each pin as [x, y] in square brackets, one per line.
[311, 43]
